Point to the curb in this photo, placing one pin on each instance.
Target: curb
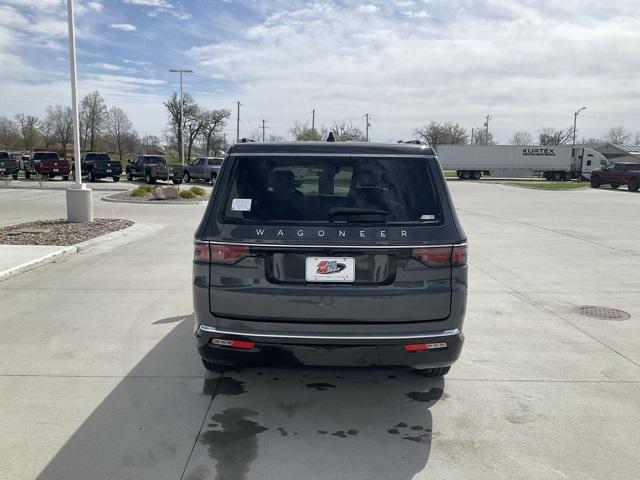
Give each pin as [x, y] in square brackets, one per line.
[71, 250]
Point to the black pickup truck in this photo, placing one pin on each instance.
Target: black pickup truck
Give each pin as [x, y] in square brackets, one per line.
[97, 165]
[8, 166]
[151, 167]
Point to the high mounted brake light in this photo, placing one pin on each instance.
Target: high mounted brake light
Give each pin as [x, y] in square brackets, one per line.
[455, 256]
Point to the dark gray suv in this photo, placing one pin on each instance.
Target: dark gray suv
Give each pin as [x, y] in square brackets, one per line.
[330, 253]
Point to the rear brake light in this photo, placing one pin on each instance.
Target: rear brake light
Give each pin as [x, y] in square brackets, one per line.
[455, 256]
[221, 253]
[459, 255]
[201, 252]
[239, 344]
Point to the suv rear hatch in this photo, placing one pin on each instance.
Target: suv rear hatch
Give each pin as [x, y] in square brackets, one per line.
[331, 240]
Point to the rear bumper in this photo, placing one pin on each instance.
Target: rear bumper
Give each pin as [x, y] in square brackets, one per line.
[50, 171]
[330, 350]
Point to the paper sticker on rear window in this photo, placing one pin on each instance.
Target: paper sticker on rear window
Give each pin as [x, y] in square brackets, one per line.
[241, 205]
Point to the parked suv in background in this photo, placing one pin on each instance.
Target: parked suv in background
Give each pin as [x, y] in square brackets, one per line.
[202, 168]
[8, 165]
[47, 164]
[151, 167]
[99, 165]
[621, 173]
[330, 254]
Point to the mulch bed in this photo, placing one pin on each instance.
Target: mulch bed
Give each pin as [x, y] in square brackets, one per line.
[148, 198]
[59, 232]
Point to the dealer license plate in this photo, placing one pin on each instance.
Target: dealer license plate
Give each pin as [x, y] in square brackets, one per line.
[330, 269]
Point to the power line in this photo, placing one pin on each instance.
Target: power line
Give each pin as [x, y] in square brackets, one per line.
[263, 129]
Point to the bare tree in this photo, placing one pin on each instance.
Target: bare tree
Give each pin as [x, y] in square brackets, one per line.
[177, 128]
[637, 140]
[47, 132]
[347, 132]
[213, 121]
[554, 136]
[9, 135]
[151, 144]
[28, 128]
[120, 130]
[93, 117]
[302, 132]
[617, 135]
[482, 137]
[276, 138]
[521, 137]
[436, 133]
[60, 120]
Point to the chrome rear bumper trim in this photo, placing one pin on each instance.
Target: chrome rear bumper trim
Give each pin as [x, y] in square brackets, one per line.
[446, 333]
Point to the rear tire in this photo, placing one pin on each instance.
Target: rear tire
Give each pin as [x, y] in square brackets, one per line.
[92, 176]
[116, 178]
[27, 174]
[187, 177]
[213, 179]
[150, 179]
[129, 176]
[14, 176]
[566, 176]
[557, 176]
[595, 182]
[433, 372]
[466, 175]
[633, 184]
[477, 175]
[64, 177]
[615, 186]
[215, 367]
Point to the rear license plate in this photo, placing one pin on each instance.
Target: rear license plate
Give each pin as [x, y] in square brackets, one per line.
[3, 169]
[330, 269]
[56, 169]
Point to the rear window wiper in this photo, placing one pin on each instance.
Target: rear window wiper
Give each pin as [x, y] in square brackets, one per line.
[354, 211]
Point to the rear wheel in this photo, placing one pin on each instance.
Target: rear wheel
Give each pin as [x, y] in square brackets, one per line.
[476, 175]
[633, 184]
[615, 185]
[150, 178]
[466, 175]
[116, 178]
[566, 176]
[187, 177]
[14, 176]
[92, 176]
[213, 179]
[129, 176]
[27, 174]
[64, 177]
[557, 176]
[215, 367]
[595, 182]
[433, 372]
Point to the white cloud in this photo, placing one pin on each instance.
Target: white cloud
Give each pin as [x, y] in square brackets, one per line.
[126, 27]
[368, 8]
[528, 66]
[95, 6]
[150, 3]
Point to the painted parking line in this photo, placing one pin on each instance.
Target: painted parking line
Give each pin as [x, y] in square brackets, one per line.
[42, 195]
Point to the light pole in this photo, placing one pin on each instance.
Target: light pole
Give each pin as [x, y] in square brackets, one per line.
[575, 119]
[79, 201]
[181, 125]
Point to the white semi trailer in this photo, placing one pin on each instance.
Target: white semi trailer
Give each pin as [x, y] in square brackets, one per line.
[551, 162]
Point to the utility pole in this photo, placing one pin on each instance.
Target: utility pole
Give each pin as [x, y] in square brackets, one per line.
[313, 120]
[367, 125]
[79, 200]
[486, 130]
[263, 129]
[575, 120]
[472, 130]
[181, 125]
[238, 124]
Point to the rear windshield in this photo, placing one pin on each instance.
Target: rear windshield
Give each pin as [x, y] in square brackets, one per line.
[4, 156]
[98, 156]
[46, 156]
[330, 190]
[215, 161]
[153, 160]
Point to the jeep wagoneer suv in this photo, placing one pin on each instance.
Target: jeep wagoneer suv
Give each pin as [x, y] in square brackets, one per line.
[329, 253]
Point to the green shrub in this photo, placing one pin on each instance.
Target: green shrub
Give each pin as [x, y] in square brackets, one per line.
[138, 192]
[188, 194]
[199, 191]
[146, 188]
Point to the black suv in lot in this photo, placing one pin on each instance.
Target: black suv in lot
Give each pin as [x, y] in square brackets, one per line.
[8, 165]
[97, 165]
[330, 254]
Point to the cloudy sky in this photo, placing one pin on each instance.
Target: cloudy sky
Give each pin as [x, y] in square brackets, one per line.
[527, 64]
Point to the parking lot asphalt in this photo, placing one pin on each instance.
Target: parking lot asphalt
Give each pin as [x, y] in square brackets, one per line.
[99, 377]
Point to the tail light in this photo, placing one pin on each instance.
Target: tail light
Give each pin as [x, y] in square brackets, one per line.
[239, 344]
[156, 167]
[219, 253]
[455, 256]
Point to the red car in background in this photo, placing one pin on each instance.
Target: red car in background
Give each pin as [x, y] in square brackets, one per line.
[47, 164]
[616, 174]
